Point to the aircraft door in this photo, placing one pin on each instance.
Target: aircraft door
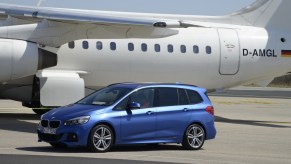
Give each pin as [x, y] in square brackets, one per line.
[229, 52]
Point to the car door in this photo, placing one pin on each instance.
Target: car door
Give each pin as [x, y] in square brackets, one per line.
[139, 125]
[173, 113]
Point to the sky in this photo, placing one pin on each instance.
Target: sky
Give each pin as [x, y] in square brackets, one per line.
[191, 7]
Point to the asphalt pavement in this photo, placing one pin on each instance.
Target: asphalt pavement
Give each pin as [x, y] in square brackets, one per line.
[251, 128]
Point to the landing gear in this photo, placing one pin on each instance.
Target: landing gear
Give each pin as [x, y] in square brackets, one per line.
[37, 108]
[40, 111]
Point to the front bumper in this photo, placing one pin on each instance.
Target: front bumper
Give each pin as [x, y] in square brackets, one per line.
[71, 136]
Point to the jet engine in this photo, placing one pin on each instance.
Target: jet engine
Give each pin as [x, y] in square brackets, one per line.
[21, 58]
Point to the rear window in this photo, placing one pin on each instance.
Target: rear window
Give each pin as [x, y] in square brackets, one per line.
[183, 98]
[194, 97]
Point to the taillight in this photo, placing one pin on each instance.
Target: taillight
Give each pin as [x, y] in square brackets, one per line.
[210, 110]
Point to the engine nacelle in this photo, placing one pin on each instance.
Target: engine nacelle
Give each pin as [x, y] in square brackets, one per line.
[20, 59]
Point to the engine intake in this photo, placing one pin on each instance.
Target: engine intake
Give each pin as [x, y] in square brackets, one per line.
[21, 58]
[46, 59]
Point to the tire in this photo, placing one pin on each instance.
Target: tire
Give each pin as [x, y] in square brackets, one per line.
[194, 137]
[101, 139]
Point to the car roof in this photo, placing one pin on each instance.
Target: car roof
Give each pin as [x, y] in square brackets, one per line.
[140, 85]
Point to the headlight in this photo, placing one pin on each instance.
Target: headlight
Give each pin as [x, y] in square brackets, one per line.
[78, 120]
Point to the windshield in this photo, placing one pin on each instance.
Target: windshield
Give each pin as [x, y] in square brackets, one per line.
[106, 96]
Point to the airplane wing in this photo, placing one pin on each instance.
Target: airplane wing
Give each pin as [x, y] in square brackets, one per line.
[55, 26]
[78, 16]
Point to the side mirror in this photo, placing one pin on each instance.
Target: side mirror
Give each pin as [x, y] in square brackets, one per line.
[134, 105]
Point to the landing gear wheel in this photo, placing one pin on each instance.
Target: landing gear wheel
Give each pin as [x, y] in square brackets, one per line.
[101, 139]
[40, 111]
[194, 137]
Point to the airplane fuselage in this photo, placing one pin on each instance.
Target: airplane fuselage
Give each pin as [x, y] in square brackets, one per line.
[213, 58]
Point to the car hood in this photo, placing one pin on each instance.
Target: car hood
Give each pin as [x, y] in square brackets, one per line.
[72, 111]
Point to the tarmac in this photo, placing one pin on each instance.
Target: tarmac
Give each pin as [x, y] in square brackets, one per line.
[253, 126]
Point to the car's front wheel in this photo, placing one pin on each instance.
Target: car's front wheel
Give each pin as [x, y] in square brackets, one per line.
[194, 137]
[101, 138]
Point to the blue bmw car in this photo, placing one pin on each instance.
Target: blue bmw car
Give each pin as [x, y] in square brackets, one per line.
[132, 113]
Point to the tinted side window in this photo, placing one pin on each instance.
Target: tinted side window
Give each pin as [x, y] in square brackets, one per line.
[122, 105]
[194, 97]
[183, 98]
[167, 97]
[145, 97]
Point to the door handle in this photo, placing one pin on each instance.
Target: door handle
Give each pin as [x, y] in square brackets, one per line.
[185, 109]
[150, 112]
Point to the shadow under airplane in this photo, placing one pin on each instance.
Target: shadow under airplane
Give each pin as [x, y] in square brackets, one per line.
[271, 124]
[280, 94]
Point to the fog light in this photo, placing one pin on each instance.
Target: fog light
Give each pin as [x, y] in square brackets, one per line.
[72, 137]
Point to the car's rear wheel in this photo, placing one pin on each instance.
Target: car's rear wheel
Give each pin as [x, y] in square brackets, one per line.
[194, 137]
[101, 138]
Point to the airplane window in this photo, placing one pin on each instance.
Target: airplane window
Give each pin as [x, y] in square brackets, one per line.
[144, 47]
[208, 49]
[130, 46]
[113, 46]
[71, 45]
[85, 45]
[183, 48]
[195, 49]
[157, 48]
[170, 48]
[99, 45]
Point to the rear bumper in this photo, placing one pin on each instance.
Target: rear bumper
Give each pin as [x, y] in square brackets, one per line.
[210, 131]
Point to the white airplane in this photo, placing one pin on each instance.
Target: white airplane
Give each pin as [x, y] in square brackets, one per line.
[53, 57]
